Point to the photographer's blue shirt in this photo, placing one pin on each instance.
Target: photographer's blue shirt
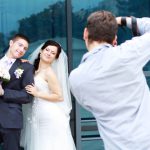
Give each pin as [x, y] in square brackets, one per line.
[111, 84]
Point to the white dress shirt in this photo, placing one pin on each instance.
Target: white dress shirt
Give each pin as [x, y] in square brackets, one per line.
[111, 84]
[7, 62]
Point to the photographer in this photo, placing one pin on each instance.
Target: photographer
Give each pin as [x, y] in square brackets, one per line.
[110, 81]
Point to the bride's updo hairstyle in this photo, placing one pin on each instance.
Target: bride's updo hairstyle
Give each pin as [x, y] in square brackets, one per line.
[47, 43]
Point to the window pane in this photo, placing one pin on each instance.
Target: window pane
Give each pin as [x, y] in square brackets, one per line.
[80, 12]
[39, 20]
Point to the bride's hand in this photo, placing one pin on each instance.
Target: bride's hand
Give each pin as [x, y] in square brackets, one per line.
[31, 89]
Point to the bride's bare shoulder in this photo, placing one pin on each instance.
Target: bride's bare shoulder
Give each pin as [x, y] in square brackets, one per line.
[50, 73]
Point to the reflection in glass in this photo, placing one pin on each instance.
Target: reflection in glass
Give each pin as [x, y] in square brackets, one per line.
[80, 12]
[44, 19]
[38, 20]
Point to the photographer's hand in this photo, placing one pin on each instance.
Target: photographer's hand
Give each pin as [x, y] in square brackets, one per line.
[129, 22]
[118, 19]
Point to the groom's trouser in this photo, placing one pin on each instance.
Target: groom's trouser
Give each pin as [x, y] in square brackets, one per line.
[10, 138]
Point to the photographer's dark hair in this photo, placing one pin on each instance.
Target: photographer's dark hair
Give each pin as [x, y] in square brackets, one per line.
[47, 43]
[102, 27]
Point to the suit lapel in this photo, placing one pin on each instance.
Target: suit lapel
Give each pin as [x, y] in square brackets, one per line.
[15, 65]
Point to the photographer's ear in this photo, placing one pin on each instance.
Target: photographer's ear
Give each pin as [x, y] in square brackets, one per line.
[114, 43]
[85, 34]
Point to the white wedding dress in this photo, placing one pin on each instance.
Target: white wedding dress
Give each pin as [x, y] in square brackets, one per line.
[48, 126]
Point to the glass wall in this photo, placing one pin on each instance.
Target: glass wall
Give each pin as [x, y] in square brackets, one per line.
[37, 19]
[44, 19]
[80, 11]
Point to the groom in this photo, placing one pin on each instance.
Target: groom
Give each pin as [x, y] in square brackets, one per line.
[12, 93]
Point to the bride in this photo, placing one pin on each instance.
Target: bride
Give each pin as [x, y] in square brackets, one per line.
[46, 124]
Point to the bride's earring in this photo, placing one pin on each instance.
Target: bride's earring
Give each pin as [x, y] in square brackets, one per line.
[40, 53]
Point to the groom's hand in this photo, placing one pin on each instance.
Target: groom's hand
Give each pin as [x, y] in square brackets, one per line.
[24, 60]
[1, 90]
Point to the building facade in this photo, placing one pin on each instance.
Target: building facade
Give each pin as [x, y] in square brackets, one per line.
[64, 21]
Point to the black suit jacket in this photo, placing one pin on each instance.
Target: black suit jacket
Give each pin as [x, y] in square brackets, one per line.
[15, 95]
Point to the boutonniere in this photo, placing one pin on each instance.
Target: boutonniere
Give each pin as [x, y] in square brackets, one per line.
[18, 72]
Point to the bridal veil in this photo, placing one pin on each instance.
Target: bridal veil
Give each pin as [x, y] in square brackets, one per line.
[60, 67]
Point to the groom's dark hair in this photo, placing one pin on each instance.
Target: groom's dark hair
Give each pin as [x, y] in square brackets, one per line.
[20, 36]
